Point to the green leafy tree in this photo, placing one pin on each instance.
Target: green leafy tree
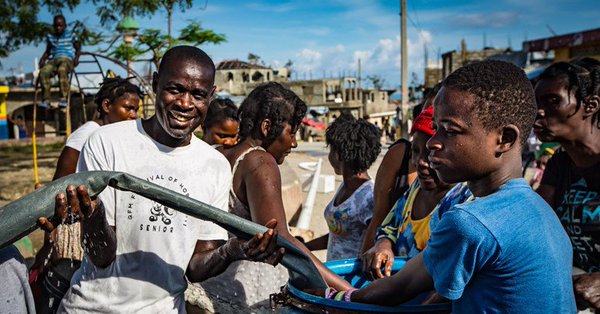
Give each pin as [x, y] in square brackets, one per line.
[376, 80]
[153, 43]
[112, 11]
[169, 6]
[253, 58]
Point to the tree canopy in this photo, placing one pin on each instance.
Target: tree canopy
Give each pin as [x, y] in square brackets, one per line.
[20, 25]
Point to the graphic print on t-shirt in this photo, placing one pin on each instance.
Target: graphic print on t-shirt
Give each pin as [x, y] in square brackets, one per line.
[579, 212]
[157, 217]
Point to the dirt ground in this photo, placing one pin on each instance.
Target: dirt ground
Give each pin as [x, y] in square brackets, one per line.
[17, 180]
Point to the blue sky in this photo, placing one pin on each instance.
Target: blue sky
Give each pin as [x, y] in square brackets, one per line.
[332, 35]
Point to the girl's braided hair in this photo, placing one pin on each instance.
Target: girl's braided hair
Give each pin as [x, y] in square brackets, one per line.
[270, 101]
[582, 77]
[114, 87]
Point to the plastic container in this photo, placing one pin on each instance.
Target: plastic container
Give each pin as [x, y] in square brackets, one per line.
[350, 269]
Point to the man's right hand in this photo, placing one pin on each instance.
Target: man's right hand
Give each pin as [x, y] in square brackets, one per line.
[381, 254]
[76, 206]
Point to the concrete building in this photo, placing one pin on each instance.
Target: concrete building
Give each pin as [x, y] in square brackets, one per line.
[433, 74]
[234, 75]
[565, 47]
[453, 60]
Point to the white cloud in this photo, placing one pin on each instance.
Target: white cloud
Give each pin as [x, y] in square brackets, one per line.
[383, 59]
[307, 60]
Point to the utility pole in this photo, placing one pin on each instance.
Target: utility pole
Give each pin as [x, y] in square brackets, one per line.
[359, 74]
[404, 70]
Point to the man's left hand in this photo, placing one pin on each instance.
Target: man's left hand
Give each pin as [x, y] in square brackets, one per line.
[587, 288]
[263, 247]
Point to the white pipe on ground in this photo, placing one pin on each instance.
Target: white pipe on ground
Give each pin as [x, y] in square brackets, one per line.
[306, 214]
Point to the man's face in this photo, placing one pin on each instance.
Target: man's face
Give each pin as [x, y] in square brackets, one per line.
[461, 149]
[557, 117]
[59, 26]
[183, 92]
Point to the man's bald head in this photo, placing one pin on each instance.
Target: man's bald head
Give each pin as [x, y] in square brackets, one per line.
[184, 54]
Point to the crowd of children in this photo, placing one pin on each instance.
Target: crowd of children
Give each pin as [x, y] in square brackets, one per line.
[473, 230]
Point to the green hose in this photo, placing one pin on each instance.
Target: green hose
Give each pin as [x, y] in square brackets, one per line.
[19, 218]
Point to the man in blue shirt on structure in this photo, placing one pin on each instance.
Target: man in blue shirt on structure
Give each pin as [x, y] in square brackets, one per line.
[505, 251]
[62, 54]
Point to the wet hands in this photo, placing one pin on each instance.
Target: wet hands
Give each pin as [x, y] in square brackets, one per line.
[98, 239]
[587, 290]
[379, 255]
[75, 206]
[263, 247]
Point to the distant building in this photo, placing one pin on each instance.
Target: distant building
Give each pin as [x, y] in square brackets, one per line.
[234, 75]
[565, 47]
[453, 60]
[433, 74]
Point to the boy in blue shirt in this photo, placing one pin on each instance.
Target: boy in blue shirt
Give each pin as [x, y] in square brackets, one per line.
[62, 54]
[505, 251]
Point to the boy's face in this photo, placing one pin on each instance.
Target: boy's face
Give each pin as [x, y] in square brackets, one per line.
[461, 149]
[59, 26]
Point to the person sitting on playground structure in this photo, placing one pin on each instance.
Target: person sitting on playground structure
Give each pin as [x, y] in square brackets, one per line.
[61, 57]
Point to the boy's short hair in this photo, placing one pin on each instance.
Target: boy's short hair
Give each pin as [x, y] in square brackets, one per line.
[503, 94]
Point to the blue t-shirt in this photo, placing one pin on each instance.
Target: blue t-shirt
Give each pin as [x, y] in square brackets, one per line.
[503, 253]
[62, 46]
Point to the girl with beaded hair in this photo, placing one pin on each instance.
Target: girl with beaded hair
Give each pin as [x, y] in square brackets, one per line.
[269, 119]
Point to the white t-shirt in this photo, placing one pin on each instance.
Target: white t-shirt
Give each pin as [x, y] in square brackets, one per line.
[154, 243]
[78, 138]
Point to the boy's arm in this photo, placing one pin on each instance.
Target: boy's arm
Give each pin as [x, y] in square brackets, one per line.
[77, 46]
[403, 286]
[45, 55]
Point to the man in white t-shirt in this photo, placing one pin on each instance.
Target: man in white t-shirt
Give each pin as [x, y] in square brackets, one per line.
[139, 252]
